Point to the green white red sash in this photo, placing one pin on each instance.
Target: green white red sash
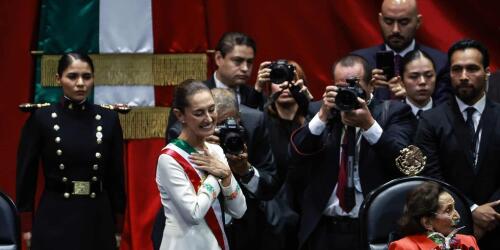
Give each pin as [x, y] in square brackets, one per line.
[195, 179]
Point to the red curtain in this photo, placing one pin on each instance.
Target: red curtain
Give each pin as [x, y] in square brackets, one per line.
[314, 33]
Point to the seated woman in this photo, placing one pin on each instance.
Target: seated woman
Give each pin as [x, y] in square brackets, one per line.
[430, 221]
[191, 173]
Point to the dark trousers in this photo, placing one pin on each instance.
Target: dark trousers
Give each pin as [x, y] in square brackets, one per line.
[335, 233]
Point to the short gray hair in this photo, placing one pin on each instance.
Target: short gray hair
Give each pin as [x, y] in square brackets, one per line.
[225, 100]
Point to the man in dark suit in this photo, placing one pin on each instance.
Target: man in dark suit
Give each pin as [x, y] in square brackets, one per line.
[331, 190]
[254, 168]
[461, 139]
[399, 21]
[234, 56]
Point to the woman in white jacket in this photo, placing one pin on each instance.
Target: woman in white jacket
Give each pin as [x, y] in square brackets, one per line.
[191, 174]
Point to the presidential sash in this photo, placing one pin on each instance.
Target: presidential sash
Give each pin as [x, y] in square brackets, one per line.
[195, 179]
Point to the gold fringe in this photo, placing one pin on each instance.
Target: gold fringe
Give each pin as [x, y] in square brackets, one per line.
[135, 69]
[49, 70]
[123, 69]
[172, 69]
[144, 122]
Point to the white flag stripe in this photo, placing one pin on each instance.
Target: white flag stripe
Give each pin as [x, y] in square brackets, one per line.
[131, 95]
[125, 26]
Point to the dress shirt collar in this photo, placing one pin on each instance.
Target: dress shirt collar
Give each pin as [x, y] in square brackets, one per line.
[219, 84]
[403, 52]
[415, 108]
[479, 105]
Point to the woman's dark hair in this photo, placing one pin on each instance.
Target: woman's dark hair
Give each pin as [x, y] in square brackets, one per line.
[185, 89]
[422, 201]
[412, 56]
[67, 59]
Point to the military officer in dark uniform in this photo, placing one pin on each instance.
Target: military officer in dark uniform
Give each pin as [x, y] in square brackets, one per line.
[80, 146]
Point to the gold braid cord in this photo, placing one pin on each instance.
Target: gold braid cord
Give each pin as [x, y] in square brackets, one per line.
[135, 69]
[144, 122]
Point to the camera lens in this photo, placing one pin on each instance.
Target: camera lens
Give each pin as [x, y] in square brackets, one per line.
[233, 143]
[281, 71]
[346, 100]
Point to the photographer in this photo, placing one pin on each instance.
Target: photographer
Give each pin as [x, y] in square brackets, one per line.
[345, 154]
[285, 112]
[254, 168]
[279, 72]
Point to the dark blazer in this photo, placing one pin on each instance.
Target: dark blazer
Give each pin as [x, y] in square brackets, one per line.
[443, 87]
[242, 231]
[318, 158]
[248, 95]
[494, 87]
[443, 137]
[74, 142]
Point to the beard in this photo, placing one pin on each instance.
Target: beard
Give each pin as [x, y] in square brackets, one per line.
[468, 94]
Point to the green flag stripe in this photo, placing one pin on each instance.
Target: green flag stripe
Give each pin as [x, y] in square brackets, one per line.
[65, 26]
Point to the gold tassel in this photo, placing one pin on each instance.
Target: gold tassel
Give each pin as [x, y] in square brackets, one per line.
[135, 69]
[172, 69]
[48, 70]
[144, 122]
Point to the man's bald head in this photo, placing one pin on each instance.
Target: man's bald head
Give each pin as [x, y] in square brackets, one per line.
[399, 21]
[411, 5]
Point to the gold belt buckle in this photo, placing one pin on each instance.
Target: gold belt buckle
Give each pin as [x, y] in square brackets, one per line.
[81, 188]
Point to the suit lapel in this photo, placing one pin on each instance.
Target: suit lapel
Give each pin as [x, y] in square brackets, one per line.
[487, 120]
[210, 82]
[460, 129]
[244, 90]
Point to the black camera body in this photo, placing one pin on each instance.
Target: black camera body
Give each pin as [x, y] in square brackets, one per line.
[347, 97]
[281, 71]
[231, 136]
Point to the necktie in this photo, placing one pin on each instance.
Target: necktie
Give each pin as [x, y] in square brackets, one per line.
[397, 62]
[470, 122]
[344, 192]
[470, 125]
[419, 114]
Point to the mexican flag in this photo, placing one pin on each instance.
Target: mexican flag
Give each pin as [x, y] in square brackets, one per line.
[131, 27]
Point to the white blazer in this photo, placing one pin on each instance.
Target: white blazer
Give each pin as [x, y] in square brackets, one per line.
[185, 226]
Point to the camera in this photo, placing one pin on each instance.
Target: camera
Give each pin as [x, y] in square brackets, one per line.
[231, 136]
[281, 71]
[347, 97]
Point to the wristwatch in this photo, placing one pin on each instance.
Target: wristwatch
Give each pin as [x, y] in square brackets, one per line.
[248, 175]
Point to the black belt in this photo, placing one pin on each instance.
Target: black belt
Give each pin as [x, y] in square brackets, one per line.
[70, 188]
[342, 223]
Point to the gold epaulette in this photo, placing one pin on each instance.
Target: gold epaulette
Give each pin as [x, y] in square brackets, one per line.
[119, 107]
[30, 107]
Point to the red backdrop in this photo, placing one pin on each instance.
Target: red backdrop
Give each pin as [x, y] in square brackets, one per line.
[315, 34]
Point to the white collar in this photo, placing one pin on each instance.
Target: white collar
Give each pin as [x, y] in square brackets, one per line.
[219, 84]
[403, 52]
[479, 105]
[415, 108]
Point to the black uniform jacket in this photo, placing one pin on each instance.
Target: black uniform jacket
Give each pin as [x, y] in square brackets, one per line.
[80, 147]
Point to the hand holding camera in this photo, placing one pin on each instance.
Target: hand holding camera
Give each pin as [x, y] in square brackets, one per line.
[349, 98]
[263, 76]
[239, 163]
